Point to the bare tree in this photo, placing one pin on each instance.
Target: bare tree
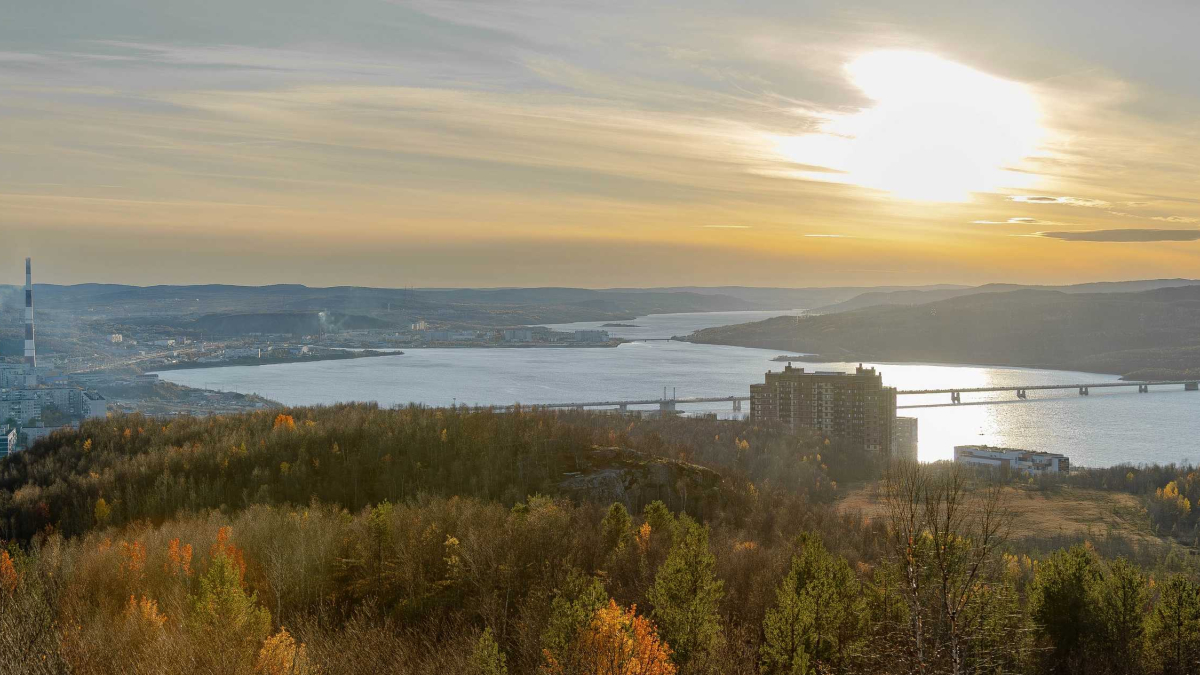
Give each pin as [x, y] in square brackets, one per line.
[944, 532]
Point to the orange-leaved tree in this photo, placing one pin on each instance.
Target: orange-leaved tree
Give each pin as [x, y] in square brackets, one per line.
[615, 642]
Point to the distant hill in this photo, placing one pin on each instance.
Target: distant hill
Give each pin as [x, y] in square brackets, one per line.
[922, 296]
[794, 298]
[465, 307]
[1156, 331]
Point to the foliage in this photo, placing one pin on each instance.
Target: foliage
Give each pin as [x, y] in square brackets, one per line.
[486, 658]
[429, 542]
[686, 594]
[819, 618]
[614, 642]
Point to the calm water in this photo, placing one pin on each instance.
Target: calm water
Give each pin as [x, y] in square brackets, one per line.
[1108, 427]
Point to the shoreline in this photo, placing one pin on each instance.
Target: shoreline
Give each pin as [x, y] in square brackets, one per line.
[1164, 375]
[345, 356]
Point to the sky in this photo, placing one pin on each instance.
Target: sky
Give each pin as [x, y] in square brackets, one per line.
[438, 143]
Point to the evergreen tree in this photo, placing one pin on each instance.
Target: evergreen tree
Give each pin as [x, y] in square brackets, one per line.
[686, 594]
[1173, 630]
[1121, 599]
[571, 611]
[1062, 606]
[617, 527]
[819, 615]
[486, 658]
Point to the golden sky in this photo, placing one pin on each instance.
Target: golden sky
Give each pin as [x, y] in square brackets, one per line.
[600, 144]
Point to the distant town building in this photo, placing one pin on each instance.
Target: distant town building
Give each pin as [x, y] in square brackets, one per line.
[853, 407]
[518, 335]
[163, 343]
[1012, 459]
[243, 353]
[420, 325]
[94, 406]
[35, 434]
[591, 335]
[8, 440]
[904, 438]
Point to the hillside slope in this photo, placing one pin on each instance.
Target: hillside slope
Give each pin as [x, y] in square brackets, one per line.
[1152, 334]
[921, 296]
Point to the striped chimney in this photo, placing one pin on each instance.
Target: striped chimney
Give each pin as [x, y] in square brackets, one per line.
[30, 350]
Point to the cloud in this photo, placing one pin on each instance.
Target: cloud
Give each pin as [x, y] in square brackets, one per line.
[726, 227]
[1013, 221]
[1123, 235]
[1069, 201]
[1175, 219]
[830, 236]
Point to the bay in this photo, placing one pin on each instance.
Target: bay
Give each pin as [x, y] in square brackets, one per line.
[1107, 427]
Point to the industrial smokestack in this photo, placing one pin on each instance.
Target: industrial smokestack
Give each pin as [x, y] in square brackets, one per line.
[30, 350]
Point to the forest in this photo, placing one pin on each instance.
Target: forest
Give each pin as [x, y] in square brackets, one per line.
[358, 539]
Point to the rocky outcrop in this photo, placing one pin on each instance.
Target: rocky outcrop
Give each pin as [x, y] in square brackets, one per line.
[635, 479]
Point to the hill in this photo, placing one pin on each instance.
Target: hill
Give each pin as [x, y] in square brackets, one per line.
[353, 539]
[920, 296]
[1123, 333]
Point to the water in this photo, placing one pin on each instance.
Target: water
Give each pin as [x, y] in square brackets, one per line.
[1108, 427]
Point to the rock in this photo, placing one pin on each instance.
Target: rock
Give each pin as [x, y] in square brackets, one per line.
[610, 475]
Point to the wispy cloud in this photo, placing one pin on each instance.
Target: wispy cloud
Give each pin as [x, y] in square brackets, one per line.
[1068, 201]
[1013, 221]
[1123, 235]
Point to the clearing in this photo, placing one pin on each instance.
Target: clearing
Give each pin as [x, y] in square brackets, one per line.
[1066, 511]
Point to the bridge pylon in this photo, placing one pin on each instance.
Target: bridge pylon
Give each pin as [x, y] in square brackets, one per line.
[955, 397]
[1021, 394]
[1083, 391]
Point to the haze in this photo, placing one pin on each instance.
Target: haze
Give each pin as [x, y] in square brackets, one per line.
[504, 143]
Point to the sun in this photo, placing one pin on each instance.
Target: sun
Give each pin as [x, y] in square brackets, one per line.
[937, 130]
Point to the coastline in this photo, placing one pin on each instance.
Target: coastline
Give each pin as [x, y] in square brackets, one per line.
[192, 365]
[1135, 375]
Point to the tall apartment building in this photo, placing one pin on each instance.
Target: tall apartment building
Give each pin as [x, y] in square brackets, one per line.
[904, 438]
[852, 407]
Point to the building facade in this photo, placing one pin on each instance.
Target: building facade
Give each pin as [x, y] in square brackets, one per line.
[1012, 459]
[904, 438]
[8, 440]
[852, 407]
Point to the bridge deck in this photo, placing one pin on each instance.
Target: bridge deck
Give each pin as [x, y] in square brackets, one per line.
[901, 392]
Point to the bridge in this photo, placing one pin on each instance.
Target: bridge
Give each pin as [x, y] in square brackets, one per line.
[1021, 393]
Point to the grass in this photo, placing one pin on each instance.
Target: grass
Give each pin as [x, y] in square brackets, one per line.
[1062, 511]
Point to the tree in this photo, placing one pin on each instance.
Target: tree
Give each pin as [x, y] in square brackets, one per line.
[102, 512]
[614, 642]
[222, 611]
[1121, 600]
[686, 594]
[486, 658]
[1173, 629]
[617, 527]
[1062, 606]
[944, 534]
[572, 609]
[280, 655]
[819, 616]
[659, 517]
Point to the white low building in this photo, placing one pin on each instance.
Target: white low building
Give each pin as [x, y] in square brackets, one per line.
[1012, 459]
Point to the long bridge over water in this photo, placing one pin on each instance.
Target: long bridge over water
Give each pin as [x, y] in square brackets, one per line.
[1021, 393]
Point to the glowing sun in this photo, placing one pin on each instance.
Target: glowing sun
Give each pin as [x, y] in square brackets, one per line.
[938, 130]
